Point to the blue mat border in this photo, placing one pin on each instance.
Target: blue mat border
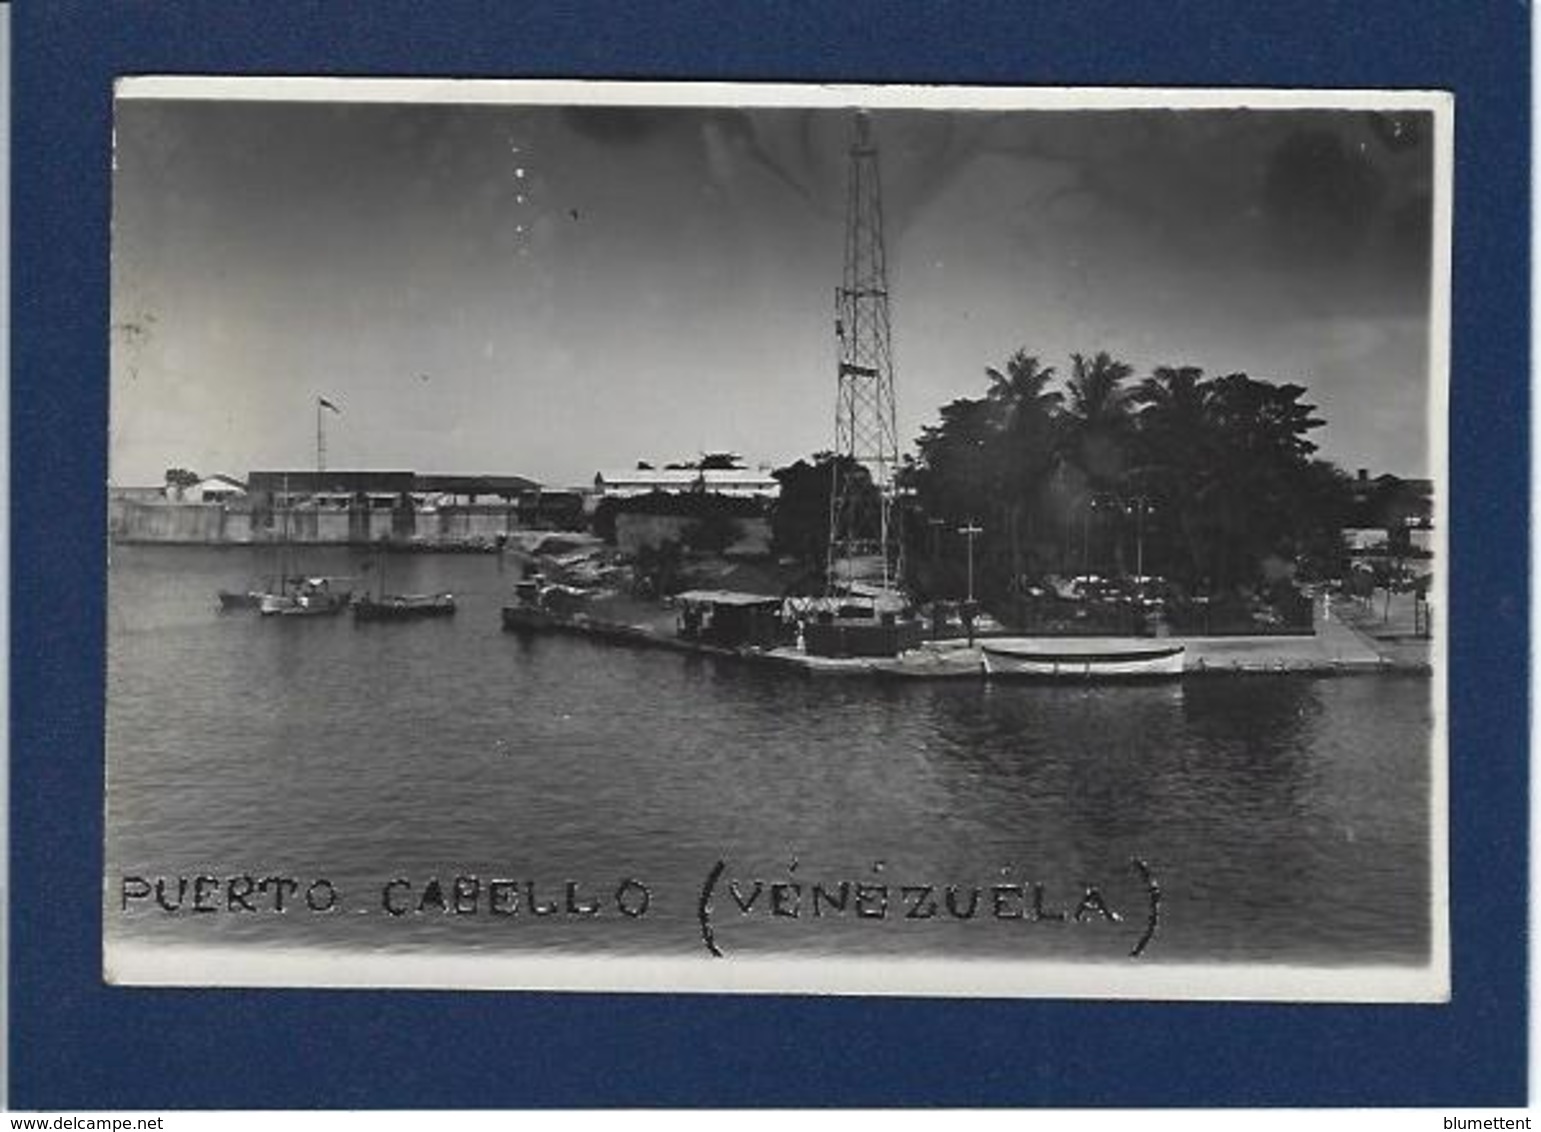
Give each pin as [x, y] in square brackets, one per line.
[77, 1044]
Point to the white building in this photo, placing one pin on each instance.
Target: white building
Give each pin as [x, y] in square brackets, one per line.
[743, 483]
[214, 489]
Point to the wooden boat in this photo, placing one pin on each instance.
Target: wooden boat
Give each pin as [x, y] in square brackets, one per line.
[528, 611]
[538, 605]
[399, 607]
[274, 591]
[402, 607]
[271, 589]
[1081, 659]
[289, 594]
[310, 597]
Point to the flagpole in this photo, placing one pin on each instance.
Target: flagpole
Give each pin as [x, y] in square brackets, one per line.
[322, 403]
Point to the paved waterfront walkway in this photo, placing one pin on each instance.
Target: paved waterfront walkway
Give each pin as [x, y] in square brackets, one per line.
[1336, 647]
[1353, 638]
[1394, 628]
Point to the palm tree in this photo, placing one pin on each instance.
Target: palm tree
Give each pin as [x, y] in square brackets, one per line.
[1025, 441]
[1023, 388]
[1098, 426]
[1099, 415]
[1179, 393]
[1175, 461]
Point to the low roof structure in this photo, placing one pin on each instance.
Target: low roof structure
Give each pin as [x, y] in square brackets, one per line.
[507, 486]
[724, 481]
[330, 482]
[313, 482]
[725, 597]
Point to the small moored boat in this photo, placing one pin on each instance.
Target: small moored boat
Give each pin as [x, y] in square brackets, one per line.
[312, 597]
[399, 607]
[529, 611]
[1081, 659]
[402, 607]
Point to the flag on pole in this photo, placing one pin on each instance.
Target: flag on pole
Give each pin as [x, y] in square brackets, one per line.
[325, 404]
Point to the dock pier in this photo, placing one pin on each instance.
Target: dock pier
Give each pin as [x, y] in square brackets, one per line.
[1335, 650]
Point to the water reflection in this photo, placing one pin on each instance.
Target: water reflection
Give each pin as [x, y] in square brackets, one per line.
[1286, 817]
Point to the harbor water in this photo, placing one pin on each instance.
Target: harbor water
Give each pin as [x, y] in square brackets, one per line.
[1281, 819]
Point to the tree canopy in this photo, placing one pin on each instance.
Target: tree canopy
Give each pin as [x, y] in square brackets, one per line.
[801, 518]
[1210, 482]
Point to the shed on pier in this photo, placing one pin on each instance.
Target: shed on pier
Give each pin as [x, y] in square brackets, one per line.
[730, 619]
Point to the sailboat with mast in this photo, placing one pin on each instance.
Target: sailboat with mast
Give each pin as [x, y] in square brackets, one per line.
[297, 594]
[289, 593]
[274, 584]
[401, 607]
[264, 595]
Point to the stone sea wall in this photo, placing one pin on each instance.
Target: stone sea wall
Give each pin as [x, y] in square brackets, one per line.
[216, 524]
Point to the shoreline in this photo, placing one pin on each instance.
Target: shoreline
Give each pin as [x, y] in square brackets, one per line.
[376, 546]
[1338, 650]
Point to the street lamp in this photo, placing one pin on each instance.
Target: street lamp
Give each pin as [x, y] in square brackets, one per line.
[1141, 506]
[971, 532]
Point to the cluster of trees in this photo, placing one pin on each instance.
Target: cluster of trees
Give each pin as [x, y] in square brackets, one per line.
[800, 520]
[1209, 482]
[708, 462]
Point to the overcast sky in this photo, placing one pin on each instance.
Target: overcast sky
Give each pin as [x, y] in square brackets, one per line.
[547, 292]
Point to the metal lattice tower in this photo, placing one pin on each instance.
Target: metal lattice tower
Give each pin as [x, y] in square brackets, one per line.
[861, 525]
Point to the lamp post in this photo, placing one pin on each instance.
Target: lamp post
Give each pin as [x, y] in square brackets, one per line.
[971, 532]
[1086, 534]
[1141, 506]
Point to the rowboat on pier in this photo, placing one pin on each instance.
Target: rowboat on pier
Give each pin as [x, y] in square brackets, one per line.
[1099, 658]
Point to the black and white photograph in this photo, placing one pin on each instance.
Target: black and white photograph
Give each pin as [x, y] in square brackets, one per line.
[688, 537]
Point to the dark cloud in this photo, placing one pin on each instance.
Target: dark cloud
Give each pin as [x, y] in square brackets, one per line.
[617, 125]
[748, 137]
[1305, 193]
[1321, 196]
